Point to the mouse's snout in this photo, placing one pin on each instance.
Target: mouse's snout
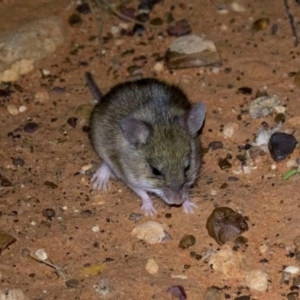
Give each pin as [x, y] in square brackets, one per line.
[175, 195]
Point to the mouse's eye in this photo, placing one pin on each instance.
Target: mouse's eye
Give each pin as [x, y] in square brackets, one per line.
[155, 171]
[187, 167]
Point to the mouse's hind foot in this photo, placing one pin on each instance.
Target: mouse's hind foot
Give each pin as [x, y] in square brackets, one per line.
[101, 177]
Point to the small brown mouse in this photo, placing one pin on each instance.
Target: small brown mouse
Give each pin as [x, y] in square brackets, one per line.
[146, 132]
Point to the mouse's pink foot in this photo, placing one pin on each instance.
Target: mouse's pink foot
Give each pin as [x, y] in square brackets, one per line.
[188, 206]
[101, 177]
[148, 209]
[147, 206]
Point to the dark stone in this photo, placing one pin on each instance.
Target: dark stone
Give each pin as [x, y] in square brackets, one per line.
[281, 145]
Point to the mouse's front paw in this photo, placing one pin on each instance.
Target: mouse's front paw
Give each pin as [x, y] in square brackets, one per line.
[101, 177]
[148, 209]
[188, 206]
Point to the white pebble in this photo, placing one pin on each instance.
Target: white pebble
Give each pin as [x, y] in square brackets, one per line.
[257, 280]
[158, 67]
[13, 110]
[273, 167]
[152, 266]
[22, 108]
[41, 254]
[237, 7]
[96, 228]
[292, 269]
[85, 168]
[46, 72]
[263, 248]
[230, 129]
[151, 232]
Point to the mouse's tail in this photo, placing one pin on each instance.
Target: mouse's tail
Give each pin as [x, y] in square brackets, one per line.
[93, 86]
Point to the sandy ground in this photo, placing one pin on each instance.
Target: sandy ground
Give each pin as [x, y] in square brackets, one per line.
[56, 153]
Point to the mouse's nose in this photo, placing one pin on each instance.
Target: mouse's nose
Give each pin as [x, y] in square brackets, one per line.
[175, 195]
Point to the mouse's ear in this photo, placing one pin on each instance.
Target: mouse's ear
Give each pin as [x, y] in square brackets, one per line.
[196, 118]
[135, 131]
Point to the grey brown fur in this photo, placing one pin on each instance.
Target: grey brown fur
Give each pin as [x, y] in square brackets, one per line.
[146, 134]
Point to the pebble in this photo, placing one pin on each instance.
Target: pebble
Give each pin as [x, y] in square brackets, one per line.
[180, 28]
[12, 109]
[260, 24]
[158, 67]
[230, 129]
[95, 228]
[281, 145]
[22, 47]
[152, 266]
[41, 254]
[41, 97]
[22, 108]
[257, 280]
[31, 127]
[214, 145]
[224, 224]
[187, 241]
[12, 294]
[263, 106]
[224, 164]
[178, 292]
[292, 269]
[72, 283]
[151, 232]
[49, 213]
[237, 7]
[213, 293]
[191, 51]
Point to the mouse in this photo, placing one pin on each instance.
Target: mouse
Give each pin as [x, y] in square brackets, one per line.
[147, 134]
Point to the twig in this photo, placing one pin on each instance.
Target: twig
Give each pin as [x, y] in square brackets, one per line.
[292, 23]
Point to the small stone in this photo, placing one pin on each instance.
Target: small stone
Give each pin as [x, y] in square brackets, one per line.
[245, 90]
[13, 110]
[6, 240]
[224, 224]
[178, 292]
[292, 269]
[103, 287]
[83, 8]
[243, 298]
[74, 19]
[72, 121]
[5, 182]
[263, 106]
[49, 213]
[151, 232]
[224, 164]
[257, 280]
[180, 28]
[135, 217]
[237, 7]
[31, 127]
[95, 228]
[22, 108]
[281, 145]
[215, 145]
[292, 296]
[51, 185]
[230, 129]
[191, 51]
[263, 248]
[297, 241]
[261, 24]
[12, 294]
[41, 254]
[158, 67]
[187, 241]
[72, 283]
[152, 266]
[41, 97]
[18, 161]
[213, 293]
[280, 118]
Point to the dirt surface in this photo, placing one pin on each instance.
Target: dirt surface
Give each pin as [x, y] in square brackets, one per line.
[57, 155]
